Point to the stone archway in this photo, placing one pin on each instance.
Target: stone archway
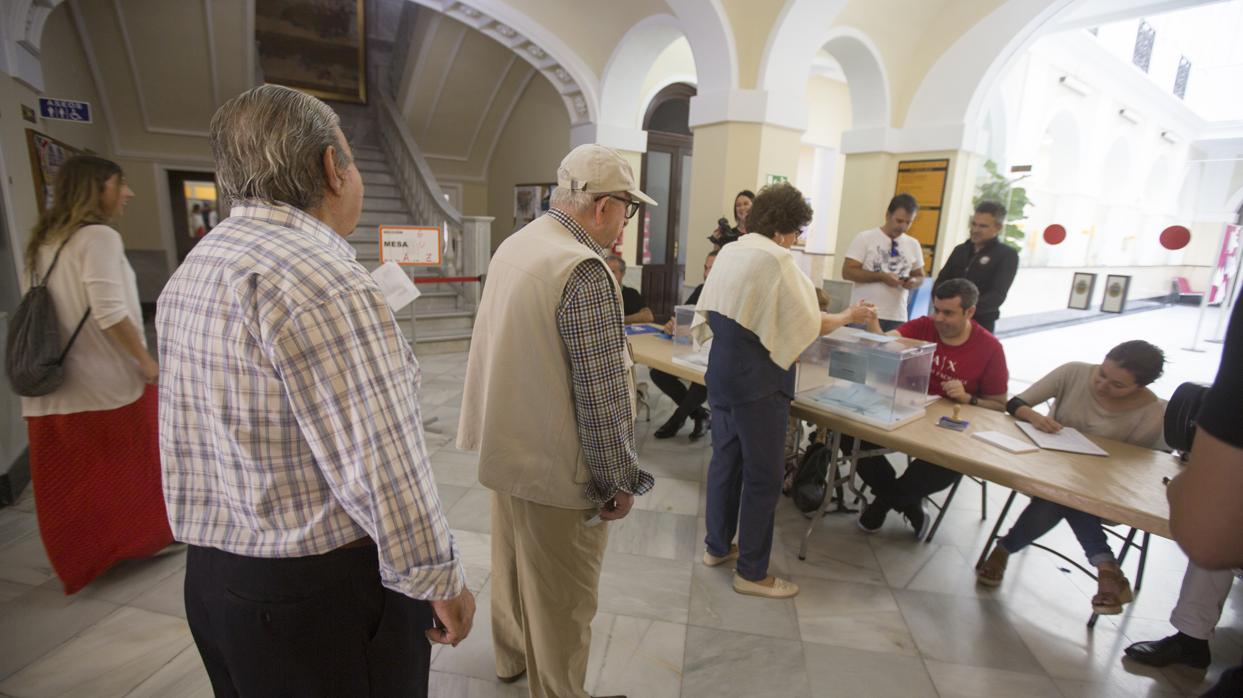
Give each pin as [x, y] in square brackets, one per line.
[21, 32]
[529, 40]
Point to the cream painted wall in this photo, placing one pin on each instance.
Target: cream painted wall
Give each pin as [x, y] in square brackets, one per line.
[475, 199]
[828, 111]
[531, 146]
[143, 227]
[821, 167]
[752, 22]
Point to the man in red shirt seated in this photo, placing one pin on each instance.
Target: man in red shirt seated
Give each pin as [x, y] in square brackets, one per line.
[969, 367]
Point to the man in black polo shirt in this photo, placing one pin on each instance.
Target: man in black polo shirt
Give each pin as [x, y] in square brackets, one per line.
[1206, 499]
[986, 261]
[634, 306]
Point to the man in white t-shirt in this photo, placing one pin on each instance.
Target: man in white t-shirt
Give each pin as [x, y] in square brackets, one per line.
[885, 262]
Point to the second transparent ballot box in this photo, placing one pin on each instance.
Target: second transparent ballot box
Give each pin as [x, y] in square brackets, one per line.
[876, 379]
[683, 316]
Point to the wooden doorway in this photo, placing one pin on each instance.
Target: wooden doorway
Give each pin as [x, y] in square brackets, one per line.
[667, 179]
[192, 197]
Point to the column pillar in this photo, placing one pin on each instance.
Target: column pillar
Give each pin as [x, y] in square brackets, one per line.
[476, 254]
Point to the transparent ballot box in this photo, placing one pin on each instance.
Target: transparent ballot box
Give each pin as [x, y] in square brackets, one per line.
[683, 315]
[875, 379]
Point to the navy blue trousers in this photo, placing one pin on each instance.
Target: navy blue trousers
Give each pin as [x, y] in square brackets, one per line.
[744, 480]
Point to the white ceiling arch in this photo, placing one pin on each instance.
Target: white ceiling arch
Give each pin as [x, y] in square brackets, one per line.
[22, 34]
[621, 98]
[865, 76]
[707, 29]
[800, 32]
[543, 49]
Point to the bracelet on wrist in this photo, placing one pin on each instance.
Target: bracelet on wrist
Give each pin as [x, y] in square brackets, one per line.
[1014, 404]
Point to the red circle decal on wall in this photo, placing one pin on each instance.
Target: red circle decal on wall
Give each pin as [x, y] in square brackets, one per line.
[1175, 237]
[1054, 234]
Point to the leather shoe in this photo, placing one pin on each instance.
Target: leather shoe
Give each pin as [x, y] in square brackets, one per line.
[701, 425]
[670, 428]
[1171, 650]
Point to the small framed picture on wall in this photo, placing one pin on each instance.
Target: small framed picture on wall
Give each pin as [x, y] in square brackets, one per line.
[530, 202]
[1081, 288]
[1116, 287]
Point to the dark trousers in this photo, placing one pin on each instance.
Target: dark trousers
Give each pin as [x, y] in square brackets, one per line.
[744, 480]
[1230, 685]
[310, 626]
[688, 400]
[988, 321]
[920, 479]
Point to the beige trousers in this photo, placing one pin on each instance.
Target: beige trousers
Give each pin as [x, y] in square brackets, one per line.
[545, 583]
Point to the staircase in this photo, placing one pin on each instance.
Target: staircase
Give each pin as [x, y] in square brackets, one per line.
[401, 189]
[442, 319]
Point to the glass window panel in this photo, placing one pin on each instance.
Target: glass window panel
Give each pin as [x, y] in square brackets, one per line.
[659, 166]
[684, 212]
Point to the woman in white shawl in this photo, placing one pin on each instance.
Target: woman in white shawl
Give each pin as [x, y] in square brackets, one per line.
[761, 312]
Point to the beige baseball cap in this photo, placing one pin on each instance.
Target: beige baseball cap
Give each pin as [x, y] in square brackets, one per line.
[596, 169]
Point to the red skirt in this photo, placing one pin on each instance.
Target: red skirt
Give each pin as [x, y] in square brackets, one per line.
[98, 493]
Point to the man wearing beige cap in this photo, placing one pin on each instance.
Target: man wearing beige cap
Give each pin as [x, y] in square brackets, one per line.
[549, 405]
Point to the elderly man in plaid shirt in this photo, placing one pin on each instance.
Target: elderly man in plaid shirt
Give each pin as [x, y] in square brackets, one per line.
[292, 446]
[549, 404]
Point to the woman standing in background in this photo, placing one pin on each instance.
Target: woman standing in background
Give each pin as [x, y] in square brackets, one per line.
[94, 455]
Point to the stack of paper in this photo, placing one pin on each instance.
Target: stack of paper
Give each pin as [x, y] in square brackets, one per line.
[1068, 439]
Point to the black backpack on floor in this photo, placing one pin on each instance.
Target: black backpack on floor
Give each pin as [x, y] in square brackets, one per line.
[34, 361]
[809, 487]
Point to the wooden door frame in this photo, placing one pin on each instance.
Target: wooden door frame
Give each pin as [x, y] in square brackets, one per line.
[175, 180]
[677, 146]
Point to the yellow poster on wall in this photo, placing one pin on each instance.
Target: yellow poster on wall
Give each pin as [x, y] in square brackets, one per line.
[924, 180]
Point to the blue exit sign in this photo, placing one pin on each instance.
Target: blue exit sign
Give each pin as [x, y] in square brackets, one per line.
[65, 110]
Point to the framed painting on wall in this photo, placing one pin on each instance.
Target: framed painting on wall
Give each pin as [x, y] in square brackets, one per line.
[1116, 287]
[46, 156]
[317, 46]
[1081, 291]
[530, 202]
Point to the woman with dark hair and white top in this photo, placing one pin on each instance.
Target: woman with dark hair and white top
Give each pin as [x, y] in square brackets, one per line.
[1110, 400]
[94, 455]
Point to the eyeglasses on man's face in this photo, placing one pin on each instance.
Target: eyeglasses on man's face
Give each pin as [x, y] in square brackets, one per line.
[632, 206]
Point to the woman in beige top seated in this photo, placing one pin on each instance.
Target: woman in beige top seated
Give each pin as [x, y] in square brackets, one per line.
[1109, 400]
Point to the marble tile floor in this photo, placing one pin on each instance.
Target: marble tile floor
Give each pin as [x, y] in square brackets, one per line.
[880, 615]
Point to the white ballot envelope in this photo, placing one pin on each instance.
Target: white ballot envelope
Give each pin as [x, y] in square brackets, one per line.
[396, 286]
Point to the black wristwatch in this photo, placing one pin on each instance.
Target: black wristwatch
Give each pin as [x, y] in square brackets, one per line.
[975, 400]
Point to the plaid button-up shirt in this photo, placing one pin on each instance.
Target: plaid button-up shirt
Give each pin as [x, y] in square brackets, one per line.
[589, 321]
[289, 411]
